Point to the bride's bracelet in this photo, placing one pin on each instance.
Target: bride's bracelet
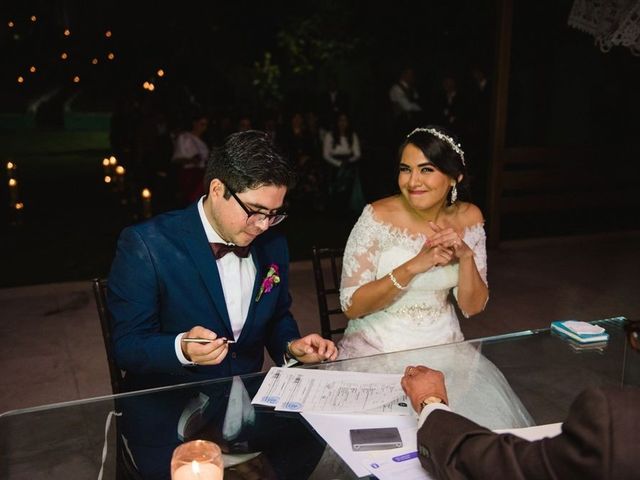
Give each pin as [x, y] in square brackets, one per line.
[395, 281]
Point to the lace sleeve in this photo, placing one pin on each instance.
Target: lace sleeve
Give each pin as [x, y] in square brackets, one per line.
[476, 238]
[361, 255]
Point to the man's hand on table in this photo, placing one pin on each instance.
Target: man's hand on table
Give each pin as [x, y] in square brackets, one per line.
[313, 348]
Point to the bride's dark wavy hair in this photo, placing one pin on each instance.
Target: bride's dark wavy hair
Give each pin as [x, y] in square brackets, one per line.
[441, 154]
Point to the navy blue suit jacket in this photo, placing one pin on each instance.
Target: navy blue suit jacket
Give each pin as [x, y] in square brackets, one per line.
[164, 280]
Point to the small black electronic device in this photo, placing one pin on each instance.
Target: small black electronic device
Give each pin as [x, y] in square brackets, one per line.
[363, 439]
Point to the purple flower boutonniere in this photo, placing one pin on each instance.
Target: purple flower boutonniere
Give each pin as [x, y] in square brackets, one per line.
[271, 278]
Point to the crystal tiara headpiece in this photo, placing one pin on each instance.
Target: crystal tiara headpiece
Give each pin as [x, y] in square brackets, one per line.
[455, 146]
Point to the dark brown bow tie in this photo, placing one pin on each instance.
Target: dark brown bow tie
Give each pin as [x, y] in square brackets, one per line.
[221, 249]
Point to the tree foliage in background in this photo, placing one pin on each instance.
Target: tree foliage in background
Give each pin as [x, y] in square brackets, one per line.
[318, 41]
[266, 79]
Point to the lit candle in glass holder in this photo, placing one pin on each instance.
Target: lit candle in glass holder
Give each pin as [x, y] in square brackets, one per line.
[146, 203]
[106, 166]
[113, 161]
[197, 460]
[120, 171]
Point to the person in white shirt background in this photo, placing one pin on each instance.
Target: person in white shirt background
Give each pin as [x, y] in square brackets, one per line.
[191, 154]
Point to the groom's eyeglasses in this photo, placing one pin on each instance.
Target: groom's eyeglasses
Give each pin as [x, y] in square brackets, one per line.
[257, 217]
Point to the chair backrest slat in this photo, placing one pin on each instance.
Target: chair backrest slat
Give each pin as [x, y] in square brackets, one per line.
[100, 293]
[328, 261]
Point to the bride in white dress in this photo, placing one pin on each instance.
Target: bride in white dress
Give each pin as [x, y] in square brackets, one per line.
[404, 258]
[408, 251]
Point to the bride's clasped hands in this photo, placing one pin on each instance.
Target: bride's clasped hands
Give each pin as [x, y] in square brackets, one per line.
[447, 238]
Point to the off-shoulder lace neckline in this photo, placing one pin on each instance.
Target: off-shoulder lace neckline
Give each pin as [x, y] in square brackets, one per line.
[405, 231]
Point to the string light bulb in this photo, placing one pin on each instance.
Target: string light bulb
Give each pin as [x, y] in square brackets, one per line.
[32, 69]
[33, 18]
[111, 56]
[107, 34]
[10, 24]
[64, 55]
[67, 32]
[160, 72]
[76, 79]
[94, 61]
[20, 79]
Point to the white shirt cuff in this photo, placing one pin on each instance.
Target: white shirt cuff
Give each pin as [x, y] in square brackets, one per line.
[430, 408]
[178, 346]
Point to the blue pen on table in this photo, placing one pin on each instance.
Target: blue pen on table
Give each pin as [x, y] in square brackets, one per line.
[204, 340]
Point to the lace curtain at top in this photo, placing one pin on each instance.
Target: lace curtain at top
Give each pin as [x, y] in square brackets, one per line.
[611, 22]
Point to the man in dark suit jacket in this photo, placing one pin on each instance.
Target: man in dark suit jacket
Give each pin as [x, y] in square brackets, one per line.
[211, 272]
[600, 438]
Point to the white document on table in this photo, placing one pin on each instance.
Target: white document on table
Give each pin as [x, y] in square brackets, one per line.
[334, 429]
[398, 462]
[330, 391]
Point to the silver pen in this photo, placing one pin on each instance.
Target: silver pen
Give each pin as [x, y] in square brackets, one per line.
[204, 340]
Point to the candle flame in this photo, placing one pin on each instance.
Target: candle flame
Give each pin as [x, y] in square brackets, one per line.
[105, 162]
[19, 206]
[13, 182]
[107, 179]
[195, 467]
[113, 161]
[11, 165]
[120, 170]
[146, 193]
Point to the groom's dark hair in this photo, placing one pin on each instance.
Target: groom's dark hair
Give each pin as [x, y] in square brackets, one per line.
[248, 160]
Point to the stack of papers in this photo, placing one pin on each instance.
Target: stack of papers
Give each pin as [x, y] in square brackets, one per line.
[327, 391]
[581, 332]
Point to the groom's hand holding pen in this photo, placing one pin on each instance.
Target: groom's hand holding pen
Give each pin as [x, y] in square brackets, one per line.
[203, 347]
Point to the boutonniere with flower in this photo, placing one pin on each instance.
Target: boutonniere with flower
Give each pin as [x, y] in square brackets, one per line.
[270, 279]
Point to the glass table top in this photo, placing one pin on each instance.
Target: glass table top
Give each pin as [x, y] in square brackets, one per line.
[490, 380]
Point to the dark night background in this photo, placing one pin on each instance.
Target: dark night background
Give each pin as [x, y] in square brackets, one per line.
[234, 59]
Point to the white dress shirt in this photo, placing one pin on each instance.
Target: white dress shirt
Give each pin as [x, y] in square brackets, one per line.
[400, 101]
[188, 145]
[426, 411]
[237, 276]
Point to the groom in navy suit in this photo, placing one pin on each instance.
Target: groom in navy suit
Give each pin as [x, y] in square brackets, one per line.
[212, 271]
